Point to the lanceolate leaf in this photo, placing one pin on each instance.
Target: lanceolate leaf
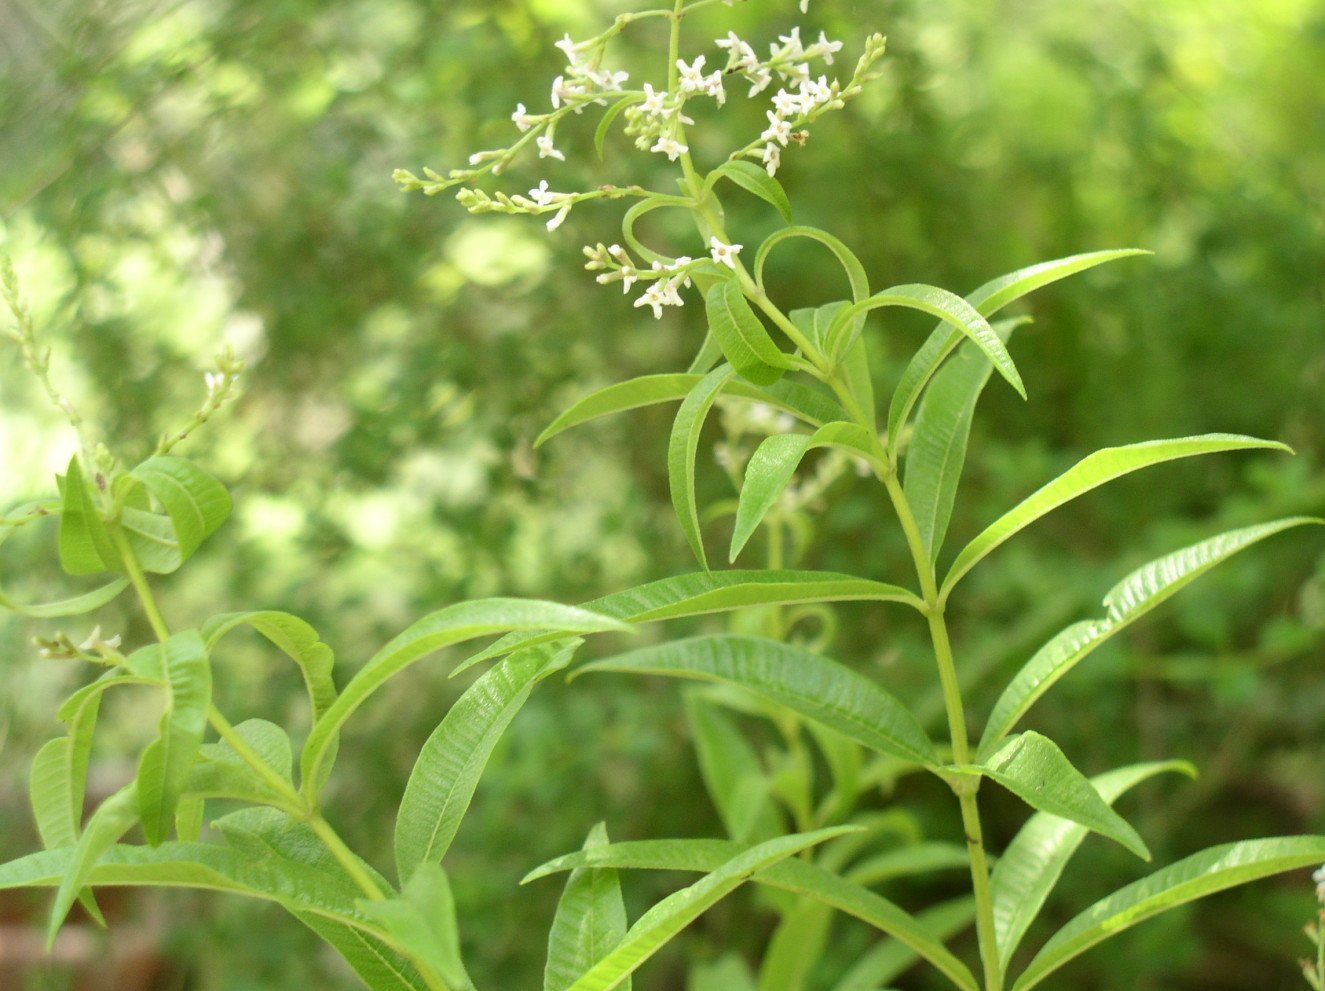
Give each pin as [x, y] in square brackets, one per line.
[1129, 600]
[733, 776]
[720, 591]
[855, 271]
[447, 771]
[667, 918]
[937, 451]
[682, 451]
[742, 334]
[221, 773]
[1201, 874]
[454, 624]
[590, 921]
[801, 401]
[294, 638]
[163, 771]
[1029, 869]
[1033, 768]
[988, 300]
[891, 957]
[945, 305]
[85, 545]
[380, 967]
[753, 179]
[807, 683]
[74, 606]
[775, 461]
[1089, 473]
[422, 923]
[797, 876]
[113, 818]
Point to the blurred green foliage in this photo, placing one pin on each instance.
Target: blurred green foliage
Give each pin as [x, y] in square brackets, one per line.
[178, 173]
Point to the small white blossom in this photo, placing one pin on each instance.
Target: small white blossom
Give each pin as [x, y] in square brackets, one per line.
[1319, 877]
[740, 55]
[521, 118]
[544, 196]
[565, 89]
[568, 47]
[213, 381]
[670, 147]
[778, 130]
[607, 80]
[760, 78]
[692, 76]
[787, 104]
[824, 49]
[772, 158]
[555, 222]
[655, 101]
[545, 149]
[628, 278]
[654, 297]
[724, 254]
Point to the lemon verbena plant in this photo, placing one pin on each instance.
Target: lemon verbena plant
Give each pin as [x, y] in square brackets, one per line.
[787, 381]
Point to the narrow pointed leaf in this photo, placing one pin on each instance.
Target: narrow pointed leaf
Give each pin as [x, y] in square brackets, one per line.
[753, 179]
[448, 768]
[1090, 473]
[988, 300]
[422, 922]
[937, 451]
[1033, 768]
[742, 335]
[610, 115]
[799, 400]
[1143, 590]
[855, 271]
[74, 606]
[294, 638]
[379, 966]
[814, 686]
[113, 818]
[1201, 874]
[732, 773]
[891, 957]
[590, 921]
[682, 452]
[728, 973]
[220, 772]
[917, 858]
[702, 592]
[163, 771]
[85, 545]
[797, 876]
[946, 306]
[775, 461]
[55, 789]
[153, 540]
[454, 624]
[659, 924]
[1034, 861]
[795, 948]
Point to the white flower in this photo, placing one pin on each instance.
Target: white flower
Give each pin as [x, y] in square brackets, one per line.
[607, 80]
[805, 6]
[772, 158]
[618, 252]
[628, 278]
[692, 78]
[214, 381]
[778, 129]
[787, 104]
[521, 118]
[568, 48]
[565, 89]
[724, 254]
[545, 149]
[670, 147]
[542, 195]
[653, 296]
[739, 53]
[555, 222]
[655, 102]
[824, 49]
[791, 46]
[759, 78]
[1319, 877]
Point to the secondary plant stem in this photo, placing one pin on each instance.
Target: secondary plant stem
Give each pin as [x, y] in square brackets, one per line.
[345, 856]
[139, 582]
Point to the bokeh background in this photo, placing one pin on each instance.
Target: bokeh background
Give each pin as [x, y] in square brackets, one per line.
[175, 174]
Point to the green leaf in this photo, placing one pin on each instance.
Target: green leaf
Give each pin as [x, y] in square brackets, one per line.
[682, 450]
[799, 400]
[1201, 874]
[797, 876]
[775, 461]
[163, 771]
[728, 973]
[55, 789]
[891, 957]
[1129, 600]
[701, 592]
[667, 918]
[195, 501]
[732, 774]
[855, 271]
[113, 818]
[937, 451]
[753, 179]
[380, 966]
[454, 624]
[1034, 860]
[153, 540]
[74, 606]
[940, 303]
[448, 768]
[221, 773]
[915, 858]
[590, 921]
[742, 335]
[295, 639]
[807, 683]
[988, 300]
[422, 923]
[1033, 768]
[85, 544]
[189, 816]
[1087, 474]
[795, 948]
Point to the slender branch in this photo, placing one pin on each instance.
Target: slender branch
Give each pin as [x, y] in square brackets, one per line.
[346, 857]
[139, 582]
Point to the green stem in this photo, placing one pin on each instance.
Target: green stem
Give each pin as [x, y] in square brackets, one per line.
[295, 804]
[139, 582]
[345, 857]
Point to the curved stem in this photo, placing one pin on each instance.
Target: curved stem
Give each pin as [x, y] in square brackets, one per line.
[139, 581]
